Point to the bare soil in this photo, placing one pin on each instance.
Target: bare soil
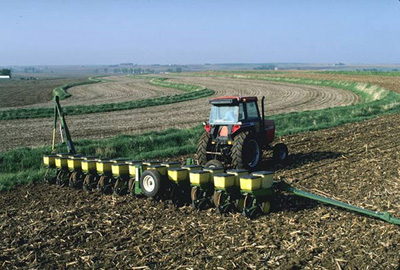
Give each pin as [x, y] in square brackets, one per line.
[113, 90]
[48, 227]
[389, 82]
[18, 93]
[280, 98]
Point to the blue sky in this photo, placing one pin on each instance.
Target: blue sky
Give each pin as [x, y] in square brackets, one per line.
[195, 32]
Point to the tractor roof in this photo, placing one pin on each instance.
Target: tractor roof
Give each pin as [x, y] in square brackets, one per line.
[232, 99]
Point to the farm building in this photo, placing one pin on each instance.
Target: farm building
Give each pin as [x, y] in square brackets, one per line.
[5, 77]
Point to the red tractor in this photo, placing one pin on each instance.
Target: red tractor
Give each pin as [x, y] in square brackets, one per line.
[236, 134]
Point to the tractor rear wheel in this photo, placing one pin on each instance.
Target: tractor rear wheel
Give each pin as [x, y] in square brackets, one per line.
[203, 146]
[246, 151]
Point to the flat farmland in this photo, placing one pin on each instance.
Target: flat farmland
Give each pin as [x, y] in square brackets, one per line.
[280, 98]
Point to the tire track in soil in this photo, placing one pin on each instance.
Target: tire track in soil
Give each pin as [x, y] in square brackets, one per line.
[47, 227]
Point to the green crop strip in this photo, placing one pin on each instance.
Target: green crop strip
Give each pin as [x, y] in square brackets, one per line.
[191, 92]
[180, 86]
[361, 72]
[24, 165]
[61, 91]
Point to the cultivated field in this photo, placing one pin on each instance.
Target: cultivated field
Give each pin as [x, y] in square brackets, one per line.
[114, 89]
[280, 98]
[48, 227]
[18, 93]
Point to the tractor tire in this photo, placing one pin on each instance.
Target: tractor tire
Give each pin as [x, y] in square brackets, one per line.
[203, 146]
[280, 153]
[150, 183]
[246, 151]
[214, 164]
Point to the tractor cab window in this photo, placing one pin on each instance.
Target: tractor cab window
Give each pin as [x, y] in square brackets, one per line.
[224, 115]
[252, 110]
[241, 112]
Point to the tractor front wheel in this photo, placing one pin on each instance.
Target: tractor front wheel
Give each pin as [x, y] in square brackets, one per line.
[280, 152]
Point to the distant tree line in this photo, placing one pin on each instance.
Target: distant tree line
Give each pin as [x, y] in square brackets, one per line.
[126, 71]
[32, 70]
[177, 69]
[134, 71]
[265, 67]
[5, 71]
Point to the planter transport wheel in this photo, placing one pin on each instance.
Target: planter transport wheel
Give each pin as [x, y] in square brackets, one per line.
[150, 183]
[214, 163]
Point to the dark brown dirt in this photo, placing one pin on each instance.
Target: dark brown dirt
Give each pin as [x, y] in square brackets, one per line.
[47, 227]
[16, 93]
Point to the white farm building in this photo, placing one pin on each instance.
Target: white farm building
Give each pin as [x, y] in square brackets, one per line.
[4, 76]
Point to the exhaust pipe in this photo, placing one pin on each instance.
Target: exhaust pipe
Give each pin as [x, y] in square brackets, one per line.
[263, 116]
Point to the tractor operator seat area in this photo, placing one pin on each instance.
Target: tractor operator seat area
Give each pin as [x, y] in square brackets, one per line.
[226, 115]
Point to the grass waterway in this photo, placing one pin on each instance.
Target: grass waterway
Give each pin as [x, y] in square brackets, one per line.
[24, 165]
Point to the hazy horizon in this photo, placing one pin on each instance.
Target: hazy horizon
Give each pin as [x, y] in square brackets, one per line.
[190, 32]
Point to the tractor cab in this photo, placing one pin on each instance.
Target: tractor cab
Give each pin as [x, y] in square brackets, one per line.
[230, 114]
[232, 110]
[237, 132]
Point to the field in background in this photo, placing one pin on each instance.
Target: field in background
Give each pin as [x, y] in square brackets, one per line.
[309, 107]
[356, 163]
[180, 115]
[18, 93]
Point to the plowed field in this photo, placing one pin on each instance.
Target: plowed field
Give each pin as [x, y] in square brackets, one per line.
[114, 89]
[280, 98]
[48, 227]
[17, 94]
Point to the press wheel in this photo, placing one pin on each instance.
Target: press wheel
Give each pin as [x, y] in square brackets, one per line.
[217, 198]
[266, 207]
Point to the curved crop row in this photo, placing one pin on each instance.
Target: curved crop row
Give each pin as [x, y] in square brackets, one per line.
[361, 72]
[375, 101]
[179, 142]
[180, 86]
[368, 92]
[192, 92]
[62, 93]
